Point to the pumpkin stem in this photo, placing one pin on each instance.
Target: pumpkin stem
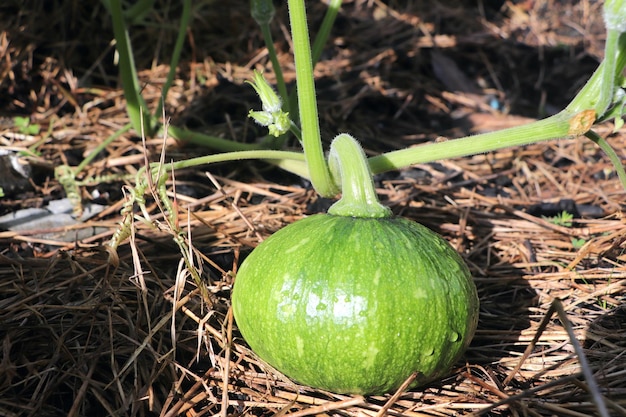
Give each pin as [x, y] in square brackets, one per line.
[348, 164]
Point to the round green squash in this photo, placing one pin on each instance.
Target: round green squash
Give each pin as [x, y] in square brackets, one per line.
[356, 305]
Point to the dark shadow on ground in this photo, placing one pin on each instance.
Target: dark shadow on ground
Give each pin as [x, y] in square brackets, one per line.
[605, 348]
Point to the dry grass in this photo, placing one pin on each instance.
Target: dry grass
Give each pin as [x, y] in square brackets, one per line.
[89, 332]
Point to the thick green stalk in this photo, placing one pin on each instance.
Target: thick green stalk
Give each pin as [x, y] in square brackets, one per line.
[311, 139]
[601, 85]
[608, 75]
[318, 46]
[557, 126]
[348, 165]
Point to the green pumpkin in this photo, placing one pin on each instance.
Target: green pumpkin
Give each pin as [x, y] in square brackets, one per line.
[356, 305]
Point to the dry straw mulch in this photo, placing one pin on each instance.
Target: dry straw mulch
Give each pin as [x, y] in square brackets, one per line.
[83, 336]
[87, 331]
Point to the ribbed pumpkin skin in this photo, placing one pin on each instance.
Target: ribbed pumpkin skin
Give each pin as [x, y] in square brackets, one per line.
[353, 305]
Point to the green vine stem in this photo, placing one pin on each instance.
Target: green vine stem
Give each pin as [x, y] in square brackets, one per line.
[135, 104]
[614, 13]
[325, 28]
[307, 105]
[176, 54]
[159, 174]
[575, 120]
[141, 119]
[318, 46]
[610, 152]
[566, 124]
[348, 164]
[101, 147]
[136, 12]
[603, 83]
[213, 142]
[262, 12]
[232, 156]
[562, 125]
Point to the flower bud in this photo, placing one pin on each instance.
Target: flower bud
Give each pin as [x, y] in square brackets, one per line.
[270, 100]
[261, 117]
[281, 124]
[272, 116]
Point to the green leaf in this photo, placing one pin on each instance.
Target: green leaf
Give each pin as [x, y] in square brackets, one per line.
[25, 126]
[21, 121]
[563, 219]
